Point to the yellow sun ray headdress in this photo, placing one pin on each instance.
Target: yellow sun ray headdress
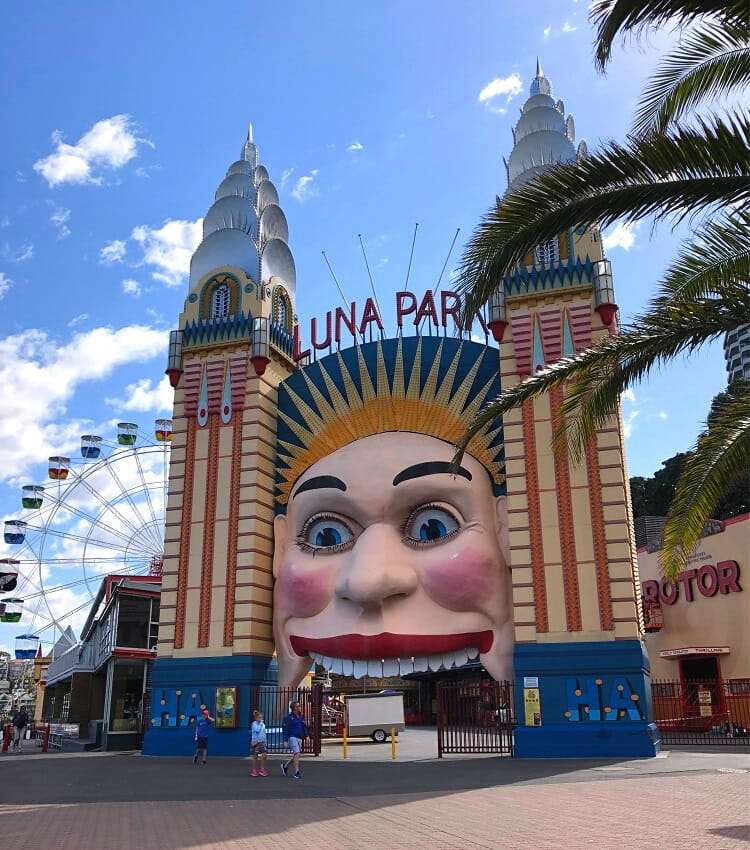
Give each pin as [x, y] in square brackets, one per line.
[421, 384]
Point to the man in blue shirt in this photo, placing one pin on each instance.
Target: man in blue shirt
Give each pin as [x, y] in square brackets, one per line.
[295, 732]
[201, 735]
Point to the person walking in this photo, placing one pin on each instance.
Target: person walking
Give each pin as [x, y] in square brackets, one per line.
[258, 743]
[295, 731]
[202, 728]
[20, 722]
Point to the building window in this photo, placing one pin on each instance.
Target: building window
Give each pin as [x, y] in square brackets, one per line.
[127, 691]
[133, 622]
[662, 689]
[547, 252]
[65, 707]
[220, 302]
[739, 687]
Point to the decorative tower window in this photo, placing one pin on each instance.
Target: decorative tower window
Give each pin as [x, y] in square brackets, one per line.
[548, 252]
[282, 309]
[220, 302]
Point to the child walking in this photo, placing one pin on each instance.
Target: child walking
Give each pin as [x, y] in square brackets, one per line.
[201, 735]
[258, 743]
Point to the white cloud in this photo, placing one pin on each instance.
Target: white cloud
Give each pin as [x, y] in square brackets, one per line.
[5, 284]
[132, 287]
[18, 255]
[59, 220]
[109, 144]
[305, 188]
[629, 395]
[143, 396]
[621, 236]
[112, 252]
[627, 422]
[4, 221]
[509, 86]
[662, 414]
[169, 248]
[38, 379]
[356, 146]
[568, 27]
[76, 320]
[547, 31]
[285, 175]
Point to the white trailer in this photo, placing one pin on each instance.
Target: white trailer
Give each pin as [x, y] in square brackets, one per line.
[374, 715]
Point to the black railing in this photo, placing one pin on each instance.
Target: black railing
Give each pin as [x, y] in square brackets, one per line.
[475, 717]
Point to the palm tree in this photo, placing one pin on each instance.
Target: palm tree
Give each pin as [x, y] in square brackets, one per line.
[678, 165]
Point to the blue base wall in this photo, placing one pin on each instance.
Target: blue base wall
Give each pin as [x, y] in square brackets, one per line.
[595, 701]
[182, 687]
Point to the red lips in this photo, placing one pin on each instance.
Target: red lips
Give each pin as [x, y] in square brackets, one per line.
[388, 645]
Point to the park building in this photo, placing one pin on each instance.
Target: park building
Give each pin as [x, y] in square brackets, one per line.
[696, 628]
[96, 693]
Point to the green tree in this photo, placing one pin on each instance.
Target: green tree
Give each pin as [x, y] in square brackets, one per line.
[679, 165]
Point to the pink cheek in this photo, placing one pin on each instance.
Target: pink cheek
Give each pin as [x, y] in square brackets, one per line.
[303, 592]
[463, 580]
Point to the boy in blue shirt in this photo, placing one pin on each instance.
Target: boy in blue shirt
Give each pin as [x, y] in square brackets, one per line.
[295, 732]
[201, 735]
[258, 743]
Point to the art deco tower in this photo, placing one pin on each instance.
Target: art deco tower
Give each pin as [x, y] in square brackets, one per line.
[574, 568]
[232, 348]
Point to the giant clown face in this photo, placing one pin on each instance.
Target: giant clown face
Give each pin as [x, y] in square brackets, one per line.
[387, 564]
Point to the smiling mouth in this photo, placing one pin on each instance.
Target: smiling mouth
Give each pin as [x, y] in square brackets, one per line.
[390, 654]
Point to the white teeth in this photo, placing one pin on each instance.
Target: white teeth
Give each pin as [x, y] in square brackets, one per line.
[360, 669]
[375, 669]
[390, 667]
[406, 665]
[449, 660]
[347, 667]
[420, 664]
[473, 653]
[327, 662]
[318, 659]
[337, 666]
[435, 662]
[460, 657]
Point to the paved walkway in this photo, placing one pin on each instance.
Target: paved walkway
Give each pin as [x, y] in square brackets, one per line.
[103, 801]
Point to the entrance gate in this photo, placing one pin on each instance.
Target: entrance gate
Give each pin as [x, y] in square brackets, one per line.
[273, 703]
[475, 717]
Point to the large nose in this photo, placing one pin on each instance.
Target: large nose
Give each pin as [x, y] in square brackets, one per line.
[377, 569]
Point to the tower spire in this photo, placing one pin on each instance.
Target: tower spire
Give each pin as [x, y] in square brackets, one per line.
[539, 71]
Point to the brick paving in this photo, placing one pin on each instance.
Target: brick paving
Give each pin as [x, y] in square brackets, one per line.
[126, 802]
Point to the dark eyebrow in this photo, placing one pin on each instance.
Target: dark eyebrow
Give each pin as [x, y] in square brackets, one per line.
[430, 467]
[320, 482]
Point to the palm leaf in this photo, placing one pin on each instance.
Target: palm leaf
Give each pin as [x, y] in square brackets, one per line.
[670, 176]
[711, 61]
[720, 456]
[620, 18]
[596, 378]
[718, 254]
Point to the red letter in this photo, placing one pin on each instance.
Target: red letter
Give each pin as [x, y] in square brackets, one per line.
[401, 309]
[482, 323]
[427, 309]
[349, 321]
[729, 574]
[370, 315]
[297, 354]
[668, 591]
[319, 346]
[685, 577]
[453, 311]
[713, 580]
[650, 590]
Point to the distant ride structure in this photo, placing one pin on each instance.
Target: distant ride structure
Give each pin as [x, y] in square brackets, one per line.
[102, 512]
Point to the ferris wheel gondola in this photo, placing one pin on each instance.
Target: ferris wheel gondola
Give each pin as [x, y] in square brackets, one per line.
[103, 513]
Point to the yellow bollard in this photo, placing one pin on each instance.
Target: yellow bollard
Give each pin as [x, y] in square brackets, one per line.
[393, 744]
[343, 741]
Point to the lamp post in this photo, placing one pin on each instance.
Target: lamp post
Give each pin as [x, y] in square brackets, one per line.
[497, 313]
[260, 350]
[604, 292]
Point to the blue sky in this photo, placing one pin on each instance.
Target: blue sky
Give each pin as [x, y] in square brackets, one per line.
[124, 117]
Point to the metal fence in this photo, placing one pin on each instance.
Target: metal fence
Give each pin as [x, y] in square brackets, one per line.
[475, 717]
[274, 702]
[707, 713]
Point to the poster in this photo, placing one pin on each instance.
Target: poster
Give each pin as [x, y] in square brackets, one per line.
[532, 709]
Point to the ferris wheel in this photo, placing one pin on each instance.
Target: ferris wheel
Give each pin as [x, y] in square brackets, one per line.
[97, 514]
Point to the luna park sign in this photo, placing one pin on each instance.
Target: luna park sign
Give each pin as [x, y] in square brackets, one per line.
[340, 324]
[707, 580]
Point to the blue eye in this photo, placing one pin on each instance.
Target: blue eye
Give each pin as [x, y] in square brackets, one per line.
[326, 533]
[430, 524]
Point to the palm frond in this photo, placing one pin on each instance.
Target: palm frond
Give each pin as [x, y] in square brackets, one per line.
[717, 255]
[615, 19]
[596, 378]
[711, 61]
[668, 176]
[720, 456]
